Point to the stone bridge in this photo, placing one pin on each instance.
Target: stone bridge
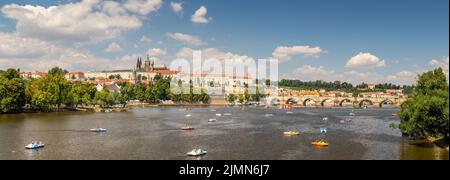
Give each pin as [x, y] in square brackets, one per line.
[314, 100]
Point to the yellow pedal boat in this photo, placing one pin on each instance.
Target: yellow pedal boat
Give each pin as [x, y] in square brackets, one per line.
[320, 143]
[291, 133]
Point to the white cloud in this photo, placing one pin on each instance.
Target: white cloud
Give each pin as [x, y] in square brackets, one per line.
[200, 16]
[15, 46]
[283, 53]
[310, 73]
[113, 47]
[156, 52]
[177, 7]
[113, 8]
[145, 39]
[126, 62]
[403, 78]
[444, 64]
[143, 7]
[434, 62]
[186, 39]
[212, 53]
[33, 54]
[367, 77]
[85, 21]
[365, 60]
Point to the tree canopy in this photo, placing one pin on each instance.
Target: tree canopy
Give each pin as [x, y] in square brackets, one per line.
[426, 112]
[12, 91]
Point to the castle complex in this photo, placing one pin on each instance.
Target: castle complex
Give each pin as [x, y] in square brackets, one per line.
[143, 71]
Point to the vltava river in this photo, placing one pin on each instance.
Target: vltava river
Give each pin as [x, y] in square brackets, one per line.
[248, 133]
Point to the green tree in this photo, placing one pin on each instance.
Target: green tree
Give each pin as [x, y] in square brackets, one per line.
[231, 98]
[426, 112]
[82, 94]
[102, 98]
[12, 91]
[56, 86]
[204, 97]
[42, 101]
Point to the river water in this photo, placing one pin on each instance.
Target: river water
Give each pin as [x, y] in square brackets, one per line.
[247, 134]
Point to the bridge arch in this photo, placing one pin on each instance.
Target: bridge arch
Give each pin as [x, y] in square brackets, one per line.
[344, 101]
[386, 101]
[308, 100]
[291, 101]
[361, 103]
[324, 101]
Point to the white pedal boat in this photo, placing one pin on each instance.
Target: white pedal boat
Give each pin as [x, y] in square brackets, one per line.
[197, 152]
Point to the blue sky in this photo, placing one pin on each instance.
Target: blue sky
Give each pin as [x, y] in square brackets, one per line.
[348, 40]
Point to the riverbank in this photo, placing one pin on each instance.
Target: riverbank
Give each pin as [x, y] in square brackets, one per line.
[78, 109]
[126, 107]
[442, 143]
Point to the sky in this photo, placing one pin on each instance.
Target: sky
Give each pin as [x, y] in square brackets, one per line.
[372, 41]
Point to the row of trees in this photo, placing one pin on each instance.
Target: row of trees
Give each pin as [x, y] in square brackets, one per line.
[313, 85]
[341, 86]
[160, 91]
[54, 91]
[245, 97]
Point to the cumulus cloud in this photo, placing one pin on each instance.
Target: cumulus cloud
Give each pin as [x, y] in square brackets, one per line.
[283, 53]
[15, 46]
[143, 7]
[199, 16]
[177, 7]
[365, 60]
[156, 52]
[113, 47]
[33, 54]
[186, 39]
[84, 21]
